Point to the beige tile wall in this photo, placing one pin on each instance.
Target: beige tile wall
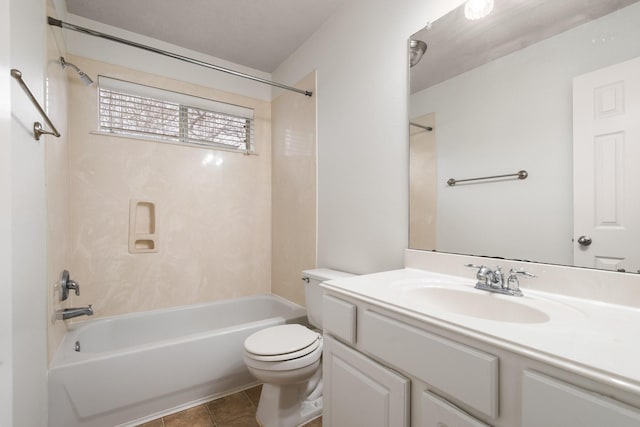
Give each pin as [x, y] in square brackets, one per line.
[213, 209]
[294, 190]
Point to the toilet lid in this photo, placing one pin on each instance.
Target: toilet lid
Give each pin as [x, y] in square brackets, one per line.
[280, 340]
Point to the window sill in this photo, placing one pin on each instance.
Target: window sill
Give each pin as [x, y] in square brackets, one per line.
[182, 144]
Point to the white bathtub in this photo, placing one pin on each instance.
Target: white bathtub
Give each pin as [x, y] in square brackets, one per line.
[137, 367]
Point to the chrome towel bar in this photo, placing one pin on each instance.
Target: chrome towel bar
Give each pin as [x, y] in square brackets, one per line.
[427, 128]
[37, 126]
[520, 175]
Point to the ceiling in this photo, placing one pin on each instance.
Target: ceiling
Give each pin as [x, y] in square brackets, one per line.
[259, 34]
[456, 45]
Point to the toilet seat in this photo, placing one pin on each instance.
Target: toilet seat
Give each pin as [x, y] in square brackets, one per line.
[309, 361]
[281, 343]
[285, 356]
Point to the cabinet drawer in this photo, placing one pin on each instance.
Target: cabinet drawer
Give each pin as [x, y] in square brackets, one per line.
[339, 318]
[547, 402]
[459, 371]
[437, 412]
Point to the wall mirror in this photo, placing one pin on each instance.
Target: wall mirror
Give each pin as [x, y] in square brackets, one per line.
[544, 86]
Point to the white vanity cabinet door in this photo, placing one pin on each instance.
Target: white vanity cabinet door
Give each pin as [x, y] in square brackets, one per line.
[358, 392]
[437, 412]
[547, 402]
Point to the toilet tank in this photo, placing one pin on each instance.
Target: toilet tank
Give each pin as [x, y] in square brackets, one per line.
[313, 292]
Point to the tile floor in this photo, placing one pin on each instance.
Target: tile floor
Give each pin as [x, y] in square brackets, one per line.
[237, 410]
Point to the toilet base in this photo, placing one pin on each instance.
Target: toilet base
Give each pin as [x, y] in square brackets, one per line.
[311, 409]
[290, 405]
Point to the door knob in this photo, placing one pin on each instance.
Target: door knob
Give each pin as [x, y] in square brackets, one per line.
[584, 240]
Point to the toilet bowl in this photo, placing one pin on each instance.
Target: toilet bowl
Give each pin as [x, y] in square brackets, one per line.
[287, 360]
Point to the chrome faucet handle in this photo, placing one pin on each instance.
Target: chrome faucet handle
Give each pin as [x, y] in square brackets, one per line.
[484, 274]
[72, 284]
[66, 284]
[512, 282]
[474, 266]
[482, 269]
[521, 273]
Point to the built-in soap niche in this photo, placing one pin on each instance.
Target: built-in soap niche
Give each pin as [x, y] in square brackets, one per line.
[143, 229]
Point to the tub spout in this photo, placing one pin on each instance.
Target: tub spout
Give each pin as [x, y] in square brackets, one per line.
[69, 313]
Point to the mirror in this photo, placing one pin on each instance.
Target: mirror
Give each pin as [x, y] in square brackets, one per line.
[543, 86]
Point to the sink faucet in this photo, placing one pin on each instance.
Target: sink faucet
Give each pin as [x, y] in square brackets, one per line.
[69, 313]
[493, 280]
[496, 278]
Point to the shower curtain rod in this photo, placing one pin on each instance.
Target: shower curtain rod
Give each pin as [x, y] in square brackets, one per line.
[68, 26]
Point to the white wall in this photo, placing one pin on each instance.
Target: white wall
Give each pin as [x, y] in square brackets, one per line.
[516, 113]
[6, 288]
[28, 244]
[361, 58]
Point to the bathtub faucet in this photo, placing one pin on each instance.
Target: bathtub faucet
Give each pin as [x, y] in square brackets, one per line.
[69, 313]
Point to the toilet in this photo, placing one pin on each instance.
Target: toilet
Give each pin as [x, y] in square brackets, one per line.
[287, 360]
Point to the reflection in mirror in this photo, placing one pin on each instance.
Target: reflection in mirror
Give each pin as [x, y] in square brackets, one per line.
[550, 87]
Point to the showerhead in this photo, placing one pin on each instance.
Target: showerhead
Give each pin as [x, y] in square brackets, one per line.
[417, 48]
[83, 77]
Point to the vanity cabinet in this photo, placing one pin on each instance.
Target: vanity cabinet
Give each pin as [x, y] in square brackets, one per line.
[370, 364]
[384, 367]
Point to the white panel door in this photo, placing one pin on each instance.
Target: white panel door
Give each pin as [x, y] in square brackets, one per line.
[606, 159]
[358, 392]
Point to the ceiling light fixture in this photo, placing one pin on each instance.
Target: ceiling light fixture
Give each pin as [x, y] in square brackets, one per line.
[476, 9]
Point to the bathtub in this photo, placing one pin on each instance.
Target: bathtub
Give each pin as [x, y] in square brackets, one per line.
[125, 370]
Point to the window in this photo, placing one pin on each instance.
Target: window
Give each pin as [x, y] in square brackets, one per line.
[141, 111]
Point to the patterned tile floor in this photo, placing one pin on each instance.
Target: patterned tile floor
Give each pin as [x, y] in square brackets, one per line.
[237, 410]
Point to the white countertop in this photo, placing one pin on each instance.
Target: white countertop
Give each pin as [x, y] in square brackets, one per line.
[594, 339]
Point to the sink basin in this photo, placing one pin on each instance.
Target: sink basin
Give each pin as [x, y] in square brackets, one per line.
[474, 303]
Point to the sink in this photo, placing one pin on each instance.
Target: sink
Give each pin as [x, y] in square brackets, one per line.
[474, 303]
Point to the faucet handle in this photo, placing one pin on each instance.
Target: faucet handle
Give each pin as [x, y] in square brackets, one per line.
[483, 275]
[482, 269]
[67, 284]
[512, 281]
[473, 266]
[72, 284]
[523, 273]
